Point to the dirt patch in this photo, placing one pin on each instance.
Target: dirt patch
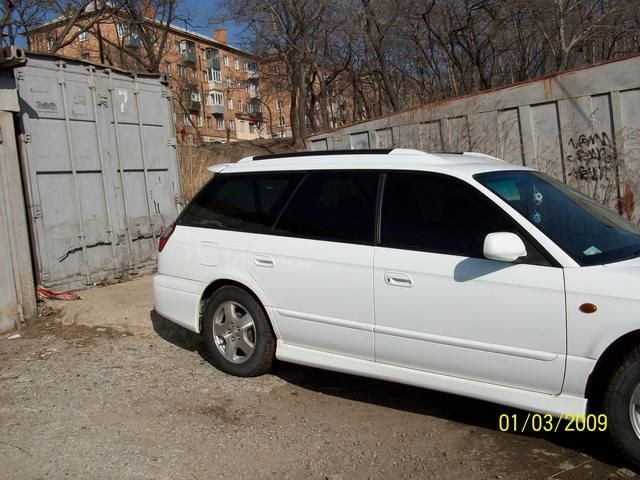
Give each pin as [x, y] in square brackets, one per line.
[48, 326]
[80, 401]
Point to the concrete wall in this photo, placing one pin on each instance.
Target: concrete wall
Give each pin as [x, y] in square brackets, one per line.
[582, 127]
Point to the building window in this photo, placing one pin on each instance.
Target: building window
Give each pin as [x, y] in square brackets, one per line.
[185, 119]
[85, 56]
[236, 64]
[204, 75]
[181, 71]
[281, 121]
[125, 31]
[229, 103]
[185, 95]
[214, 75]
[280, 104]
[276, 70]
[254, 107]
[83, 36]
[209, 122]
[225, 61]
[198, 120]
[214, 98]
[240, 105]
[50, 42]
[232, 125]
[167, 68]
[220, 123]
[249, 66]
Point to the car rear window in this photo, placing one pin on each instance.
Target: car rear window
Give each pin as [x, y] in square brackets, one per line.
[247, 202]
[335, 206]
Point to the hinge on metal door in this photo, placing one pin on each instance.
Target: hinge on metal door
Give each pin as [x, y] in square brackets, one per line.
[172, 142]
[45, 276]
[103, 100]
[26, 138]
[20, 75]
[36, 211]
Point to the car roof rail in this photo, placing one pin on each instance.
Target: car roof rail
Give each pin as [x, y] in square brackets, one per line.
[483, 155]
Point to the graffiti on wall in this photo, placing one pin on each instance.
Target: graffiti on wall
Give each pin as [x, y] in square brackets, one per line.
[591, 157]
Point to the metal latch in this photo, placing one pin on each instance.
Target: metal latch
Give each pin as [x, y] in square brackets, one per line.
[36, 211]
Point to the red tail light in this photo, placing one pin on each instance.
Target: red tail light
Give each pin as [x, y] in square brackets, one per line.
[164, 238]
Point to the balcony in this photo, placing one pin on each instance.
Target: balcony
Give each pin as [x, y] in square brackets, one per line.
[250, 117]
[188, 52]
[215, 109]
[194, 104]
[189, 57]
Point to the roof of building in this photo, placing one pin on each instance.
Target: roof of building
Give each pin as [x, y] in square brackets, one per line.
[172, 27]
[461, 164]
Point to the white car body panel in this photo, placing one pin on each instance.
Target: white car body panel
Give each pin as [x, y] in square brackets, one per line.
[322, 292]
[331, 307]
[473, 318]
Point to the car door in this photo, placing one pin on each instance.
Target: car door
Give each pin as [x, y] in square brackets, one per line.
[316, 268]
[443, 308]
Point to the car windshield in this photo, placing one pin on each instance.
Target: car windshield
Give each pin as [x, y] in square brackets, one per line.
[590, 233]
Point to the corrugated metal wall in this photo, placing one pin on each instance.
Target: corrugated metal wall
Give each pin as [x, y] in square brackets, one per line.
[582, 127]
[100, 166]
[17, 292]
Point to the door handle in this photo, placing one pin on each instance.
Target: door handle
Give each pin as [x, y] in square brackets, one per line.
[264, 261]
[398, 279]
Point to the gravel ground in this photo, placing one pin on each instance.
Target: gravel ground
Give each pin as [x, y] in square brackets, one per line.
[99, 403]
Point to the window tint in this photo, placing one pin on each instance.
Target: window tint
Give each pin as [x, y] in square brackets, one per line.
[248, 202]
[334, 206]
[440, 214]
[585, 229]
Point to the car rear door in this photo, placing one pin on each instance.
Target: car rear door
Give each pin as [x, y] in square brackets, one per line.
[316, 267]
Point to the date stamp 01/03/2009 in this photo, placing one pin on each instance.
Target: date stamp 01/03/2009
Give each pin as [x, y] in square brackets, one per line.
[537, 422]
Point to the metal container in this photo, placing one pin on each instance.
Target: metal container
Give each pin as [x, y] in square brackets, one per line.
[581, 126]
[17, 291]
[100, 168]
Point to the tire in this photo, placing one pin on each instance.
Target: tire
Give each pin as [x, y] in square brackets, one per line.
[238, 334]
[621, 404]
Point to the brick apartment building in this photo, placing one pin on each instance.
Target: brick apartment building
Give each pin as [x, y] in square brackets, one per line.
[216, 87]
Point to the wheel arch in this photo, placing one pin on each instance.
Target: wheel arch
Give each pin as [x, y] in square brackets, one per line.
[607, 362]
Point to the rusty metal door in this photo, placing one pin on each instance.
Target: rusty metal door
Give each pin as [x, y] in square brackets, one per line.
[101, 168]
[17, 293]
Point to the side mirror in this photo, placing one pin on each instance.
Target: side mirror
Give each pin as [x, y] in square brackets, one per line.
[504, 247]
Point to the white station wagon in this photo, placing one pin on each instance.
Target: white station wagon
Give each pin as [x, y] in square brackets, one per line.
[455, 272]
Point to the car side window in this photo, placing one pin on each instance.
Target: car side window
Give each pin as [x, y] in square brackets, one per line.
[334, 206]
[440, 214]
[247, 202]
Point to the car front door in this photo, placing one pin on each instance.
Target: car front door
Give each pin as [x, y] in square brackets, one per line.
[441, 307]
[316, 268]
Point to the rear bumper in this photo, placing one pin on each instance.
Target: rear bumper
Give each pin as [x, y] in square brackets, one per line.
[178, 300]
